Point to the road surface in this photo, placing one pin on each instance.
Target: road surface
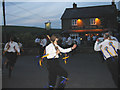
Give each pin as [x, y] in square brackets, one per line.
[85, 71]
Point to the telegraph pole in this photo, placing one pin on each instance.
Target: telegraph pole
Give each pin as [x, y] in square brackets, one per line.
[4, 12]
[4, 20]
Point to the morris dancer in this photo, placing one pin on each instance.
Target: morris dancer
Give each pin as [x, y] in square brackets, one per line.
[11, 51]
[54, 68]
[109, 49]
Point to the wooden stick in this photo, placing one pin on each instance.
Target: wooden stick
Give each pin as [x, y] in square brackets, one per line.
[53, 43]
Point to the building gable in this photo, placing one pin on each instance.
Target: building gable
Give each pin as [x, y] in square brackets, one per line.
[86, 12]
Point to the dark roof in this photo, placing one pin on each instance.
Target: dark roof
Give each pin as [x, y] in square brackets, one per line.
[94, 11]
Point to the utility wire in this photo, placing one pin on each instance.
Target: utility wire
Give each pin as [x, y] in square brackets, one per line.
[19, 16]
[27, 11]
[24, 9]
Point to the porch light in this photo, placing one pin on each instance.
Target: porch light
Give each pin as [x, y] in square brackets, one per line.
[79, 23]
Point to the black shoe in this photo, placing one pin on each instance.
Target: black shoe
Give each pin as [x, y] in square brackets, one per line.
[51, 87]
[62, 83]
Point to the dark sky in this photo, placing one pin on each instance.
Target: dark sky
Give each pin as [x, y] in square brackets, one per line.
[35, 14]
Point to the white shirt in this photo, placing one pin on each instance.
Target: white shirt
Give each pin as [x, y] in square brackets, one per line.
[12, 45]
[101, 39]
[37, 40]
[69, 41]
[75, 40]
[50, 49]
[64, 39]
[88, 38]
[43, 42]
[94, 38]
[20, 45]
[78, 40]
[114, 38]
[104, 44]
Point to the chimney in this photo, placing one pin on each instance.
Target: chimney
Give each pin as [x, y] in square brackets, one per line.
[113, 2]
[74, 5]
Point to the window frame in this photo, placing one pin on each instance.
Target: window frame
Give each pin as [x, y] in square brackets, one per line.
[92, 21]
[74, 22]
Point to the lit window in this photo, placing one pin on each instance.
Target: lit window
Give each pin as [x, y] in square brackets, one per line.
[92, 21]
[74, 22]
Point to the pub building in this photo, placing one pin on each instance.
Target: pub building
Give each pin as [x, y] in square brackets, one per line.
[93, 20]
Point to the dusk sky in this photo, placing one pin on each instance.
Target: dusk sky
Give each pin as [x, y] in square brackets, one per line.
[35, 14]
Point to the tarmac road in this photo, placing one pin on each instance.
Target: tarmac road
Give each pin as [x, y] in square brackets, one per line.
[85, 71]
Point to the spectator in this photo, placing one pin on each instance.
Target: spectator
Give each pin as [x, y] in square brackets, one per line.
[69, 41]
[78, 40]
